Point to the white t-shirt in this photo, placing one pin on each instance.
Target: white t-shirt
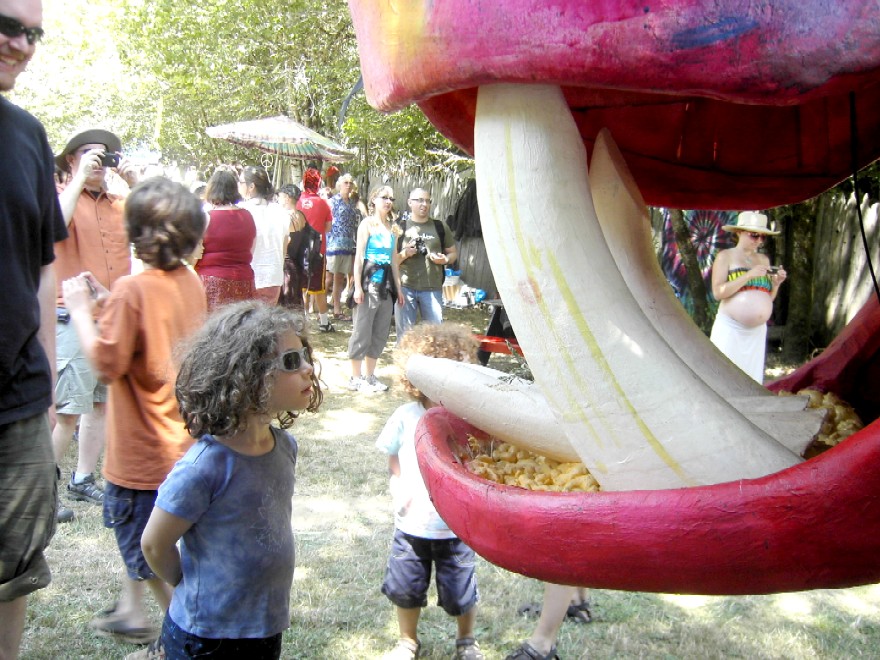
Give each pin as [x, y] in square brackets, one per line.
[419, 517]
[273, 228]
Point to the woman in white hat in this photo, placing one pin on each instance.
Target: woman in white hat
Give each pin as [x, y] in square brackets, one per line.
[746, 285]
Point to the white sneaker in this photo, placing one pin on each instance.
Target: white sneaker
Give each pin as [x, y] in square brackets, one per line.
[374, 384]
[355, 384]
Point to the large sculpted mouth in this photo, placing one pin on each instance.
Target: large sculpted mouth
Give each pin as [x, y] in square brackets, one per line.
[704, 490]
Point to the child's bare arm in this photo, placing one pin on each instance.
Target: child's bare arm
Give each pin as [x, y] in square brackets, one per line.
[159, 544]
[80, 303]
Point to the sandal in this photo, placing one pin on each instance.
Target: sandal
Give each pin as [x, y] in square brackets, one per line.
[341, 317]
[108, 623]
[580, 613]
[467, 648]
[528, 652]
[405, 650]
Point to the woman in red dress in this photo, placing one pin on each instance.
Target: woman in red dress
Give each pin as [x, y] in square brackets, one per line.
[225, 264]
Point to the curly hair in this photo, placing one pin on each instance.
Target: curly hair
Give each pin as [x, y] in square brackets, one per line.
[447, 340]
[222, 188]
[228, 370]
[164, 221]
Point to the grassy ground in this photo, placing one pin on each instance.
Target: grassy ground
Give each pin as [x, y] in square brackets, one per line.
[343, 528]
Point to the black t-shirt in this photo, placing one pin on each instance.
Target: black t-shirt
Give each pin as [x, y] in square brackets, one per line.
[30, 224]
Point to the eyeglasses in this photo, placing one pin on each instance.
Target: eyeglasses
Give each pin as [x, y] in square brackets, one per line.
[420, 201]
[294, 359]
[756, 236]
[390, 199]
[12, 27]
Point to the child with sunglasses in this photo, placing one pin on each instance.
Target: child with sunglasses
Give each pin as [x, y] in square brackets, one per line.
[139, 322]
[228, 500]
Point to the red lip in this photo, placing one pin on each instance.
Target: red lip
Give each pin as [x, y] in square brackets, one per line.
[815, 525]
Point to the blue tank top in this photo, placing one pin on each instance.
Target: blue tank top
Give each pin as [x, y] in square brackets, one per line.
[378, 251]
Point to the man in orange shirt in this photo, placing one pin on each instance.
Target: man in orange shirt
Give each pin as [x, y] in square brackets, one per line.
[98, 244]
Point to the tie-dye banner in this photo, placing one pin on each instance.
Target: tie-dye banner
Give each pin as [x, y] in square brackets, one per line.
[708, 239]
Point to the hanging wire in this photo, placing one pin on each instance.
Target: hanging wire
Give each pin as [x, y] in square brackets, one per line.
[854, 141]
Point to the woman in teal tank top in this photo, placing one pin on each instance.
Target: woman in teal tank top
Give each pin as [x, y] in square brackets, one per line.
[376, 289]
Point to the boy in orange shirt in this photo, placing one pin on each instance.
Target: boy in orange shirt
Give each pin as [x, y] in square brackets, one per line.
[142, 320]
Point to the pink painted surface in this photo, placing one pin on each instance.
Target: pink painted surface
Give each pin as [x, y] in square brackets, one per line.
[715, 103]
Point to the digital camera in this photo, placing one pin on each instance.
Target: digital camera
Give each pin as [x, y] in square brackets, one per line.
[109, 160]
[420, 246]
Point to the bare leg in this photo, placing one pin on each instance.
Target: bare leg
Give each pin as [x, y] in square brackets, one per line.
[12, 616]
[91, 440]
[338, 284]
[371, 365]
[466, 623]
[557, 598]
[356, 368]
[408, 622]
[130, 605]
[62, 434]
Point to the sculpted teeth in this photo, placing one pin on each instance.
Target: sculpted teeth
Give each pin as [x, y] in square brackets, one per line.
[637, 415]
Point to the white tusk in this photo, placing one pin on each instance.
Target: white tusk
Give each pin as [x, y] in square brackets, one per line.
[616, 388]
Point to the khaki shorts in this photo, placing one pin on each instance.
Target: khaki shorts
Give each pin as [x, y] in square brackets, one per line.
[342, 264]
[28, 506]
[78, 388]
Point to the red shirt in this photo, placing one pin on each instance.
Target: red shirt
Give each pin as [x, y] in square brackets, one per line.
[228, 242]
[318, 213]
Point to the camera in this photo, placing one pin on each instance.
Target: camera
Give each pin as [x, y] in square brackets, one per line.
[773, 270]
[110, 160]
[419, 244]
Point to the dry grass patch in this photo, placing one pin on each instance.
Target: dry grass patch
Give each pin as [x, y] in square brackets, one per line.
[343, 530]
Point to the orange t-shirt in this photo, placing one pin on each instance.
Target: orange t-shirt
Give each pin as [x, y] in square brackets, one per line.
[144, 319]
[97, 242]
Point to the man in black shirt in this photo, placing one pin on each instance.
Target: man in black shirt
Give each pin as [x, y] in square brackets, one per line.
[30, 224]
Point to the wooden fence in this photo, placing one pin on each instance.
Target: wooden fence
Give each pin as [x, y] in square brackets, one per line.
[841, 277]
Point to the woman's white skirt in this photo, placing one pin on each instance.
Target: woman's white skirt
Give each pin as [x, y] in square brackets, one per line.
[744, 346]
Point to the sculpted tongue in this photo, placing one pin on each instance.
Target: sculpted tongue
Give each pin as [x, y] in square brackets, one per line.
[626, 402]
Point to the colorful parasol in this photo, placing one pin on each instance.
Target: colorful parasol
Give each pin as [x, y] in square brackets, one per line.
[284, 137]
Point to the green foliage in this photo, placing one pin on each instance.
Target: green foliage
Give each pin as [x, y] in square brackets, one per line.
[158, 72]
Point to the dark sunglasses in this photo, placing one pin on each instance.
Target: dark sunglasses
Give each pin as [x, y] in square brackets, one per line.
[756, 236]
[294, 359]
[12, 27]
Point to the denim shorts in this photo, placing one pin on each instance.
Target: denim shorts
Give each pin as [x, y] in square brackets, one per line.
[126, 512]
[180, 645]
[408, 573]
[27, 506]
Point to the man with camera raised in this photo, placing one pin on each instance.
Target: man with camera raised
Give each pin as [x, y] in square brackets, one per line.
[97, 242]
[426, 247]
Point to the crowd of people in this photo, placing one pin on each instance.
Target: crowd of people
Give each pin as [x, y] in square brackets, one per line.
[101, 290]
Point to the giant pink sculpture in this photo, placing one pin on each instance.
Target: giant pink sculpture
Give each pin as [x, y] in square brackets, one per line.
[718, 104]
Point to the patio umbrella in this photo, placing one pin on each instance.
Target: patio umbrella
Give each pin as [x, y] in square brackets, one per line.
[284, 137]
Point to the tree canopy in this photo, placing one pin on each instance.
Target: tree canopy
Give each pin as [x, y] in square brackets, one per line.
[158, 72]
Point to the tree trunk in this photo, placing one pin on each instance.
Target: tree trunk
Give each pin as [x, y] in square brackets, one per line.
[692, 268]
[794, 301]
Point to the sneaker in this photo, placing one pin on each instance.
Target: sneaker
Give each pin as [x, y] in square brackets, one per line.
[374, 384]
[354, 384]
[87, 491]
[64, 514]
[155, 651]
[326, 327]
[406, 649]
[467, 648]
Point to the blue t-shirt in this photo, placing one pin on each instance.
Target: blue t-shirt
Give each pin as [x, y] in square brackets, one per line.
[238, 556]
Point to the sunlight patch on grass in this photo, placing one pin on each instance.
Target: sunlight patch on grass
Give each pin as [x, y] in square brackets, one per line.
[688, 601]
[796, 605]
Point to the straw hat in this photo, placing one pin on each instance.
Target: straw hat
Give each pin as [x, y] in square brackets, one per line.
[751, 221]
